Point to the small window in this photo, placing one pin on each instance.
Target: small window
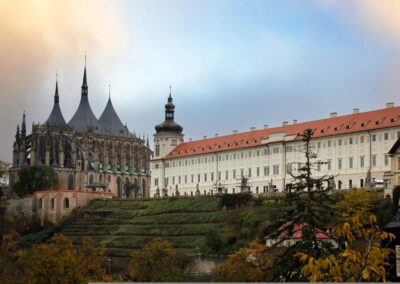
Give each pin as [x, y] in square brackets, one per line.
[52, 203]
[41, 203]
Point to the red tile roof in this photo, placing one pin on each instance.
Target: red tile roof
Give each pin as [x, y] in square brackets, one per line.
[377, 119]
[297, 232]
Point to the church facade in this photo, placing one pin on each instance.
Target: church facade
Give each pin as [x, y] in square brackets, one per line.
[355, 148]
[86, 153]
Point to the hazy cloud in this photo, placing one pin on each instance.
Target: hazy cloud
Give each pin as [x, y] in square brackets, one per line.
[36, 38]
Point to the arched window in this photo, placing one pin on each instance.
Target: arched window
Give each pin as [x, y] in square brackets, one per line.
[52, 203]
[41, 203]
[66, 202]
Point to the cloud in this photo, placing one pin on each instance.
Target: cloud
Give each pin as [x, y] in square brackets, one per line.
[378, 17]
[39, 36]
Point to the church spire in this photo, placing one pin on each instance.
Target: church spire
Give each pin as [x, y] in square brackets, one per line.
[23, 126]
[84, 91]
[56, 96]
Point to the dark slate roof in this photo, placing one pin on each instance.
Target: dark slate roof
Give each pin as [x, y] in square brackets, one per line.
[84, 118]
[56, 118]
[111, 123]
[169, 126]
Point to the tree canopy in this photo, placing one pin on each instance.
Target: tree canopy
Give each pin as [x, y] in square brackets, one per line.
[34, 178]
[158, 261]
[362, 258]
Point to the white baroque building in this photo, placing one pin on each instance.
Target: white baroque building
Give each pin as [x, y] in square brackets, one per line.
[351, 145]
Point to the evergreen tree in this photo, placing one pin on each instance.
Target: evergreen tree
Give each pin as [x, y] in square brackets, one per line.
[308, 208]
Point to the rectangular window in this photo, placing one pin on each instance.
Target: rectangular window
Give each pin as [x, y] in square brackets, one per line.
[329, 143]
[350, 162]
[319, 145]
[156, 166]
[173, 180]
[157, 150]
[166, 181]
[226, 174]
[374, 160]
[386, 136]
[205, 177]
[219, 176]
[386, 160]
[340, 142]
[275, 169]
[275, 150]
[258, 171]
[241, 173]
[351, 141]
[212, 176]
[234, 174]
[185, 179]
[362, 139]
[362, 162]
[266, 171]
[249, 171]
[329, 165]
[340, 164]
[373, 138]
[192, 178]
[179, 180]
[156, 182]
[198, 178]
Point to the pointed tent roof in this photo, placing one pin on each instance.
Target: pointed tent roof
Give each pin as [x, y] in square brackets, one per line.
[56, 118]
[110, 121]
[84, 116]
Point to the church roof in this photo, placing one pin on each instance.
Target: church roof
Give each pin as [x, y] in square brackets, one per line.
[56, 118]
[84, 116]
[111, 123]
[352, 123]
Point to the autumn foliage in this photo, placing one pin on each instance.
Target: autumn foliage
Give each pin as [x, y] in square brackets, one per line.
[362, 257]
[250, 264]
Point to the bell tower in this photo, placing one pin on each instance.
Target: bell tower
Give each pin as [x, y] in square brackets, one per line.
[168, 133]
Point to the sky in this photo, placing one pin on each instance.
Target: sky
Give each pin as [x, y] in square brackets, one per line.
[232, 64]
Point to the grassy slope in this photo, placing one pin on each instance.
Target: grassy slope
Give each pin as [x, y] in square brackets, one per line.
[125, 225]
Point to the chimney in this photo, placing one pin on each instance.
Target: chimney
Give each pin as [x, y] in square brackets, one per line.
[265, 126]
[205, 137]
[252, 128]
[389, 105]
[235, 131]
[333, 114]
[285, 123]
[356, 110]
[294, 121]
[216, 135]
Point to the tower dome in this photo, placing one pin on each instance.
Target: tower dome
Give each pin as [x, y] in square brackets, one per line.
[169, 125]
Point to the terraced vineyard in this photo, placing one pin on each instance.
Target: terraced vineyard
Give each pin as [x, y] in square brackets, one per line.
[125, 225]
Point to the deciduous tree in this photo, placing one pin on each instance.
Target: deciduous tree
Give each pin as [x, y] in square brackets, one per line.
[158, 261]
[362, 257]
[60, 262]
[250, 264]
[34, 178]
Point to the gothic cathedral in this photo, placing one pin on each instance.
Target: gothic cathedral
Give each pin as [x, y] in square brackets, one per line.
[86, 153]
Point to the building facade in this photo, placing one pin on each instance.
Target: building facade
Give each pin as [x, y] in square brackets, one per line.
[86, 152]
[355, 148]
